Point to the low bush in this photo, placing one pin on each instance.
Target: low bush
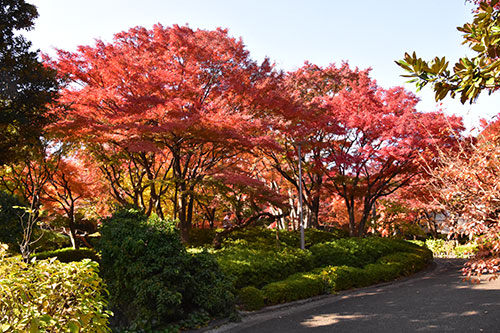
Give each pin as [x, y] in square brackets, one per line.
[209, 289]
[440, 247]
[400, 245]
[50, 296]
[344, 277]
[199, 237]
[406, 263]
[465, 250]
[68, 254]
[295, 287]
[450, 248]
[251, 298]
[152, 279]
[381, 273]
[251, 266]
[356, 252]
[333, 278]
[49, 240]
[291, 238]
[11, 231]
[332, 253]
[315, 236]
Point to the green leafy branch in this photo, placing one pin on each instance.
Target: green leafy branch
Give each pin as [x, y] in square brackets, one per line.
[469, 76]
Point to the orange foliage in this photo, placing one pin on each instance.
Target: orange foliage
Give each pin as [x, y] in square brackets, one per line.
[467, 183]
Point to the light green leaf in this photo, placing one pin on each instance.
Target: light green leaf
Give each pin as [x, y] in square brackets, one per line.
[74, 327]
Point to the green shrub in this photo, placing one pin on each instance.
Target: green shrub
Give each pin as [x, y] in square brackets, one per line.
[344, 277]
[50, 296]
[295, 287]
[418, 242]
[251, 298]
[151, 277]
[315, 236]
[10, 224]
[250, 266]
[334, 278]
[440, 247]
[199, 237]
[49, 240]
[405, 246]
[252, 235]
[68, 254]
[405, 263]
[332, 253]
[209, 289]
[267, 237]
[465, 251]
[450, 248]
[356, 252]
[381, 273]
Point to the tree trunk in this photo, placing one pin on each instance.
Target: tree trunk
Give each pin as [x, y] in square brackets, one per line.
[352, 221]
[72, 234]
[183, 219]
[431, 223]
[72, 226]
[211, 217]
[369, 211]
[314, 210]
[28, 225]
[362, 222]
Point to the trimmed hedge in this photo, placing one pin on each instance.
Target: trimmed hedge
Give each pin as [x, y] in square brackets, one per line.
[345, 277]
[333, 278]
[68, 254]
[381, 273]
[357, 252]
[251, 298]
[267, 237]
[251, 265]
[335, 253]
[295, 287]
[257, 267]
[203, 237]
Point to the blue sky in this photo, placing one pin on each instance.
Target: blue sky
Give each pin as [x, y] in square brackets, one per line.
[364, 33]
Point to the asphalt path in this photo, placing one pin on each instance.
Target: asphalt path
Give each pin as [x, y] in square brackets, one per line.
[437, 300]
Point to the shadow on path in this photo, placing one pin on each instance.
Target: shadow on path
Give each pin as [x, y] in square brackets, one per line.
[437, 301]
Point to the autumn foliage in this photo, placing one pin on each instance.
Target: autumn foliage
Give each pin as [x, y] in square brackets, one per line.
[183, 124]
[360, 142]
[165, 109]
[468, 189]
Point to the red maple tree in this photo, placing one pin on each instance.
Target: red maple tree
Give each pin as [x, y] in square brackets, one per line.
[382, 140]
[73, 185]
[179, 100]
[309, 122]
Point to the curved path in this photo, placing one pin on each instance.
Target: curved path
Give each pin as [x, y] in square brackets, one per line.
[435, 300]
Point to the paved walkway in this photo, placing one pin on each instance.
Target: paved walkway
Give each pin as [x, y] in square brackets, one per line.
[434, 301]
